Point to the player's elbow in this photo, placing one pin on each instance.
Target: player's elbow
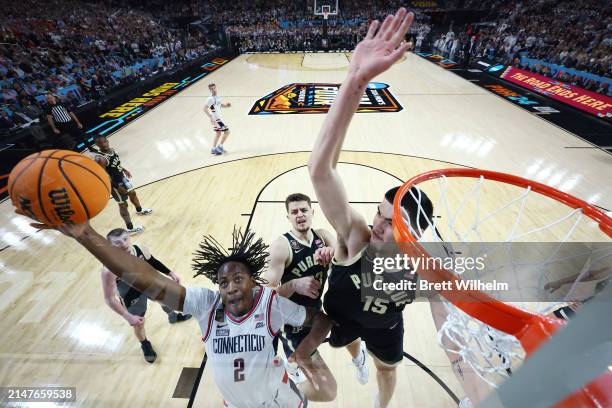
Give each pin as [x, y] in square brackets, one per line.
[109, 301]
[318, 169]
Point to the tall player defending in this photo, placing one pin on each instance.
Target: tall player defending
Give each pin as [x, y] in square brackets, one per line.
[378, 322]
[122, 188]
[133, 305]
[213, 111]
[297, 269]
[239, 322]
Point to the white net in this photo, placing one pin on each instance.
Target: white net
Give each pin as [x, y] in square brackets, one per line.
[551, 255]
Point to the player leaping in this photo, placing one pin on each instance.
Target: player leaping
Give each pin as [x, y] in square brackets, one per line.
[378, 322]
[239, 322]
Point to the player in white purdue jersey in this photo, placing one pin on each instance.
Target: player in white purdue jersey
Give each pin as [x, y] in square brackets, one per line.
[213, 111]
[239, 322]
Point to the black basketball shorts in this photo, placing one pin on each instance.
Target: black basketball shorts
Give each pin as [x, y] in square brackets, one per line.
[386, 344]
[120, 189]
[134, 301]
[291, 337]
[220, 126]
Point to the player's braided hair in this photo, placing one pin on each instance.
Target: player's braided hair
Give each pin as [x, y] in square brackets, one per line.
[245, 249]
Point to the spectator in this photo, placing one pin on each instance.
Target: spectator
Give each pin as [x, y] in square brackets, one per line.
[5, 121]
[30, 109]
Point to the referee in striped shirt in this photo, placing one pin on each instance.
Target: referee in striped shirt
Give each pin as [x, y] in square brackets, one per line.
[64, 123]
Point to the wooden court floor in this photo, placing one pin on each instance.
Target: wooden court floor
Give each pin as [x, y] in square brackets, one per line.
[56, 329]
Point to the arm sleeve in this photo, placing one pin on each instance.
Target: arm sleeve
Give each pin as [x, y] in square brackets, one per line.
[158, 265]
[284, 311]
[155, 263]
[198, 302]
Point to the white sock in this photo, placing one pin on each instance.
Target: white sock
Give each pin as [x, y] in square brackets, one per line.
[359, 359]
[377, 402]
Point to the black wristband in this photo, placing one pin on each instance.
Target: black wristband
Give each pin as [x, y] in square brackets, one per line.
[158, 265]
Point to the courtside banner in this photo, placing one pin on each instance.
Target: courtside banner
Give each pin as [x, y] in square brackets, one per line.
[587, 101]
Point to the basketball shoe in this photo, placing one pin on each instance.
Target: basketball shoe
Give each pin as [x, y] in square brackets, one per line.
[147, 349]
[144, 211]
[136, 229]
[361, 363]
[294, 372]
[174, 317]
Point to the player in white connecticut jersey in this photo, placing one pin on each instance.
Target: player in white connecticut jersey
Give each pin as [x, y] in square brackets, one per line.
[239, 322]
[241, 351]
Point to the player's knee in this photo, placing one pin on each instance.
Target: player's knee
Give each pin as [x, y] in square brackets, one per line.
[330, 391]
[385, 371]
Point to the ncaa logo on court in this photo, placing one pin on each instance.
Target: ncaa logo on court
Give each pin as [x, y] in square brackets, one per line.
[308, 98]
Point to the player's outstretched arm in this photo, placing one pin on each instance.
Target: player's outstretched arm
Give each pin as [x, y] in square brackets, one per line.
[132, 270]
[109, 288]
[276, 264]
[279, 254]
[320, 325]
[379, 50]
[323, 385]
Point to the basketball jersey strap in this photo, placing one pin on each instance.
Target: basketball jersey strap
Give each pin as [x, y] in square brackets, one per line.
[139, 252]
[269, 314]
[211, 314]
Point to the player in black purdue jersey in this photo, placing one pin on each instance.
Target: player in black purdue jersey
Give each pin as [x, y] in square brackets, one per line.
[377, 320]
[297, 269]
[122, 188]
[133, 305]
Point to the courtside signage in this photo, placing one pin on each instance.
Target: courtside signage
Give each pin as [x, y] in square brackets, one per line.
[437, 59]
[119, 116]
[590, 102]
[307, 98]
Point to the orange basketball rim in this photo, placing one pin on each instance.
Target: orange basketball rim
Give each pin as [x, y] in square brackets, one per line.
[531, 329]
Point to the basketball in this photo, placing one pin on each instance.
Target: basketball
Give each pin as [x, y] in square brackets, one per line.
[58, 187]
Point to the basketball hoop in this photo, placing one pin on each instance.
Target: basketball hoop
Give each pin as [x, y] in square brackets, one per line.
[475, 317]
[326, 11]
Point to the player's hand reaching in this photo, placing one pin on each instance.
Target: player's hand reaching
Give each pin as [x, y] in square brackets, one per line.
[71, 230]
[127, 173]
[307, 286]
[307, 366]
[175, 277]
[134, 320]
[382, 46]
[323, 256]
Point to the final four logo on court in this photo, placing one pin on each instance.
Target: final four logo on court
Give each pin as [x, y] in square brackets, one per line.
[317, 98]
